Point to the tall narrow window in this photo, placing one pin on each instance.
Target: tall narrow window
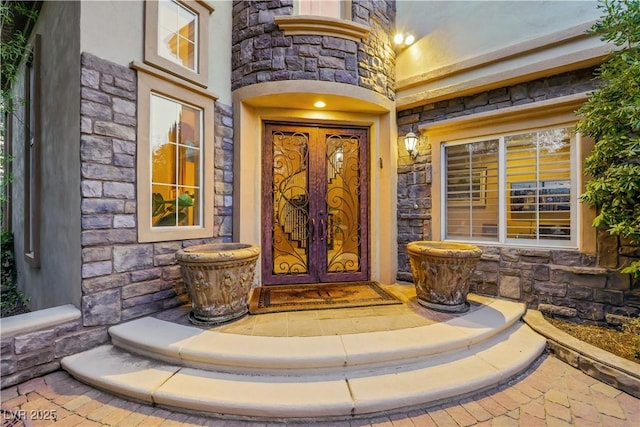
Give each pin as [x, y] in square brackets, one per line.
[511, 189]
[32, 156]
[176, 162]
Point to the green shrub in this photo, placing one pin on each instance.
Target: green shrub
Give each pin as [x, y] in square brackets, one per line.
[12, 300]
[612, 118]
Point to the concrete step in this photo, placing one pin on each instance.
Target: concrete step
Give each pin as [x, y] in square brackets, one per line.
[333, 394]
[332, 377]
[233, 353]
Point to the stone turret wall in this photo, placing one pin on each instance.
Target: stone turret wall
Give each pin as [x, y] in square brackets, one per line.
[262, 52]
[558, 281]
[121, 278]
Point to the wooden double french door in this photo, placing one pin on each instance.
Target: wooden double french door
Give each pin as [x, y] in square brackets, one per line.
[315, 204]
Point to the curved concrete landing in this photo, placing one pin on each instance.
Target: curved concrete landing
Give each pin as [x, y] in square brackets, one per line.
[216, 351]
[329, 377]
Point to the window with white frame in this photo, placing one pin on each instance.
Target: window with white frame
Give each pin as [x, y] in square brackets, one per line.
[175, 161]
[176, 34]
[516, 188]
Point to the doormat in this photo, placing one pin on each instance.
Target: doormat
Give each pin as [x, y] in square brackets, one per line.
[271, 299]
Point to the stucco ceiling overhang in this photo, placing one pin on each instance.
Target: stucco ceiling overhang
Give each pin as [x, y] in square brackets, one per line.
[305, 101]
[302, 94]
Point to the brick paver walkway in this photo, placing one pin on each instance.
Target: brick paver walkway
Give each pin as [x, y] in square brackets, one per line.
[551, 393]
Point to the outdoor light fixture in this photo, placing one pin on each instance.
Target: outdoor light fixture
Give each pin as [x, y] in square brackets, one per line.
[411, 144]
[403, 40]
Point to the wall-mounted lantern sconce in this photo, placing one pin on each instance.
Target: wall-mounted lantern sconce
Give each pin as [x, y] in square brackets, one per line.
[411, 144]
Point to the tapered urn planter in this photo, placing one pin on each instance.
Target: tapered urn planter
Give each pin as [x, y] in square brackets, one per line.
[442, 273]
[218, 278]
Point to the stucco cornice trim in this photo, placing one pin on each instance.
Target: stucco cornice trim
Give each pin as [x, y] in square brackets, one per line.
[322, 26]
[138, 66]
[207, 4]
[562, 109]
[512, 51]
[574, 61]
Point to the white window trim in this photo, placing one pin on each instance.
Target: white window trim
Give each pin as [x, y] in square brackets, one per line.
[503, 240]
[148, 84]
[555, 112]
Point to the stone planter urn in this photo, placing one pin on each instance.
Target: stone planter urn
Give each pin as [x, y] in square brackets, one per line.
[442, 273]
[218, 278]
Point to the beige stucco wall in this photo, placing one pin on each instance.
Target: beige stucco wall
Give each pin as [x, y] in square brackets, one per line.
[220, 50]
[114, 31]
[466, 46]
[57, 281]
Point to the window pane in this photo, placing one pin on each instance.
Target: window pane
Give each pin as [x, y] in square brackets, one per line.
[472, 191]
[176, 132]
[329, 8]
[163, 164]
[177, 29]
[163, 206]
[189, 216]
[539, 183]
[190, 126]
[189, 167]
[163, 136]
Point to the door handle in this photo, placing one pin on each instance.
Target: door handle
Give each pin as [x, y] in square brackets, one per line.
[313, 230]
[323, 231]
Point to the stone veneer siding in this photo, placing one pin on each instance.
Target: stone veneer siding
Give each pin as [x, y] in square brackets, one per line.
[37, 352]
[557, 281]
[261, 52]
[121, 278]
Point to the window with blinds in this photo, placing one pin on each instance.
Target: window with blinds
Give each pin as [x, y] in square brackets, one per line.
[511, 189]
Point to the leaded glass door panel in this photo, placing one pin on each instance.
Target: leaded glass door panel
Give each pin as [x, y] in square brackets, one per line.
[314, 204]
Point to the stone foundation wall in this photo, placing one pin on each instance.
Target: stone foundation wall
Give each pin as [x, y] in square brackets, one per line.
[261, 52]
[561, 282]
[121, 278]
[558, 282]
[37, 351]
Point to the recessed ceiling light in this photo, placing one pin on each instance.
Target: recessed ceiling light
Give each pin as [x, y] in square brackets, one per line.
[319, 104]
